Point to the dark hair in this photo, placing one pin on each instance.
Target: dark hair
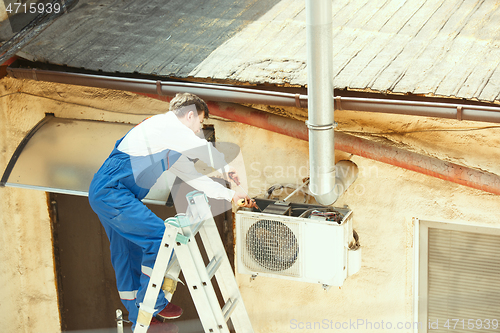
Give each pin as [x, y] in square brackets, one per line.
[184, 99]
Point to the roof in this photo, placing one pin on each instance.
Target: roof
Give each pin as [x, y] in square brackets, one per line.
[428, 47]
[165, 38]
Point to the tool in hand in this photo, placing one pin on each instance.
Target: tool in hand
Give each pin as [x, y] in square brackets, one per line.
[244, 202]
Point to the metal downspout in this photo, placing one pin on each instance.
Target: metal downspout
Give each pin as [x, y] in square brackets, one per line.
[326, 183]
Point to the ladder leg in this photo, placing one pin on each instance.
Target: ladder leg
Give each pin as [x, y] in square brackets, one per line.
[119, 321]
[146, 308]
[227, 284]
[234, 308]
[200, 286]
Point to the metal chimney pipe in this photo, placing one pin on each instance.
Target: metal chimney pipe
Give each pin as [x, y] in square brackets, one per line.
[326, 183]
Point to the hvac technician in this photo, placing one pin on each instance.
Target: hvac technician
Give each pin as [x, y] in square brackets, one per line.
[163, 142]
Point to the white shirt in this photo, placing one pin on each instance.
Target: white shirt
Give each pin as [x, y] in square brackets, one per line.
[166, 132]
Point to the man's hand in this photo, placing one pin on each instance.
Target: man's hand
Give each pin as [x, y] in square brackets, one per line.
[238, 195]
[242, 200]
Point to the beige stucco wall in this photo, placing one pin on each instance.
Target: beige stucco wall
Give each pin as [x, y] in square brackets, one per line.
[384, 200]
[3, 12]
[27, 282]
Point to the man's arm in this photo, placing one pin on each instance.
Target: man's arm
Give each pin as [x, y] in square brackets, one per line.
[185, 170]
[212, 157]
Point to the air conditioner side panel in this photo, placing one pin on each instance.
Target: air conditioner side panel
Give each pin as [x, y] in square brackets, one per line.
[324, 253]
[240, 267]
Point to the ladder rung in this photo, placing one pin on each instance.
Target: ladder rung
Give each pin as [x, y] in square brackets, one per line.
[213, 266]
[229, 307]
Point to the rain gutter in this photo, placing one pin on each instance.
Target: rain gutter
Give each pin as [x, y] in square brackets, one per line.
[209, 92]
[232, 94]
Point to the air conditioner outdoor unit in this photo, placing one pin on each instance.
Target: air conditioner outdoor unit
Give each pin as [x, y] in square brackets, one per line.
[317, 246]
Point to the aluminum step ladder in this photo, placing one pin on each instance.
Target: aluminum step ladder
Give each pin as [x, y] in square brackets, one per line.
[179, 238]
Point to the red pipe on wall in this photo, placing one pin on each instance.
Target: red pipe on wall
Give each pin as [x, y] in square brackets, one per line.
[431, 166]
[3, 67]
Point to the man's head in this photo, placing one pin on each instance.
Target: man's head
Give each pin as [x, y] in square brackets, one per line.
[190, 109]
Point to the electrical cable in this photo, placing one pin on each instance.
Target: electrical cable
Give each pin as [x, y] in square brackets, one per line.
[82, 105]
[14, 93]
[308, 212]
[276, 187]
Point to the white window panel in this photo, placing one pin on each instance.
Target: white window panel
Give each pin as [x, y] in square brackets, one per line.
[457, 277]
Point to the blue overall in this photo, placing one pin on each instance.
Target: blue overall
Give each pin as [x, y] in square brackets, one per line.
[134, 231]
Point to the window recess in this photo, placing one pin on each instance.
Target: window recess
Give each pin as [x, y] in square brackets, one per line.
[457, 285]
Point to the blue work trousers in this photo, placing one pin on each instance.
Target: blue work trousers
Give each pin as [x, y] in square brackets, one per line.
[134, 231]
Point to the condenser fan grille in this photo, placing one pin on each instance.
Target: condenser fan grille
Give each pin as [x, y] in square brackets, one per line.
[273, 246]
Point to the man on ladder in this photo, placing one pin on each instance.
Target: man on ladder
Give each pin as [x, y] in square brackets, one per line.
[163, 142]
